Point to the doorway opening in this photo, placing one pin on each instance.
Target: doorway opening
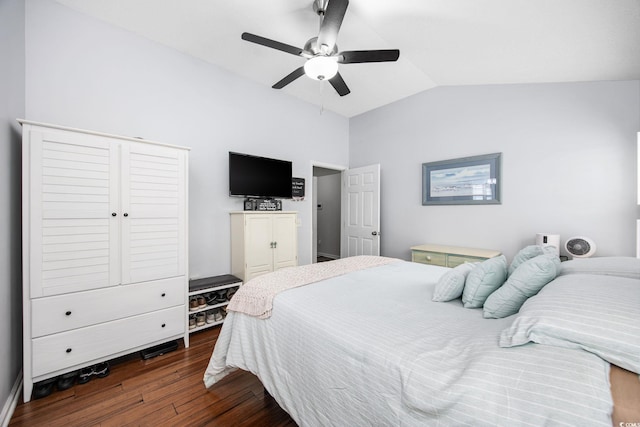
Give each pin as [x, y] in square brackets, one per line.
[326, 212]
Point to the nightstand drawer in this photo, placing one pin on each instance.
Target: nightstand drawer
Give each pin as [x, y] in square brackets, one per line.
[431, 258]
[449, 256]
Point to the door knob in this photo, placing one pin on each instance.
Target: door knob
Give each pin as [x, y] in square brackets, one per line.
[375, 233]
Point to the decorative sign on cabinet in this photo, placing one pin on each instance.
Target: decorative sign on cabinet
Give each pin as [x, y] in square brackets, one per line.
[105, 269]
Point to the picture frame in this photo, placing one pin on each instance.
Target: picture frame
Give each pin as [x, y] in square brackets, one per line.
[472, 180]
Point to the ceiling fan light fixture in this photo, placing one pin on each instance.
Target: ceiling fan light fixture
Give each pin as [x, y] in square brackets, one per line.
[321, 67]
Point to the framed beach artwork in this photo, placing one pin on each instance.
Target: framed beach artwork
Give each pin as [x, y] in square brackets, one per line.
[464, 181]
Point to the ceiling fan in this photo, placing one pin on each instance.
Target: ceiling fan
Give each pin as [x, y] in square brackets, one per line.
[322, 52]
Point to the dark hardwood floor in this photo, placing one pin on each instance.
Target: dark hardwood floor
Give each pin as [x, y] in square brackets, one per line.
[163, 391]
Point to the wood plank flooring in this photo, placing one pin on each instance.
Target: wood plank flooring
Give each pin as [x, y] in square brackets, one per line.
[163, 391]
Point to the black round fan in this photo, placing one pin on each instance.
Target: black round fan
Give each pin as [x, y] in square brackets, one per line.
[322, 52]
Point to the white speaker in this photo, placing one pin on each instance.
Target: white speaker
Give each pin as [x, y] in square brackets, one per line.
[545, 239]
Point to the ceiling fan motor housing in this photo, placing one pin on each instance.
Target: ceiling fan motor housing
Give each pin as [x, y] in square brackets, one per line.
[321, 52]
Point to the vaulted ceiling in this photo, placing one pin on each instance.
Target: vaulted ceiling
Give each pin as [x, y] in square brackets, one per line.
[441, 42]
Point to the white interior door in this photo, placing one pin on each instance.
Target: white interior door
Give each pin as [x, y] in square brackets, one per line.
[361, 211]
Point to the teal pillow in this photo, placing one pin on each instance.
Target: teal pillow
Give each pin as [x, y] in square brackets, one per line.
[525, 282]
[485, 278]
[528, 253]
[451, 284]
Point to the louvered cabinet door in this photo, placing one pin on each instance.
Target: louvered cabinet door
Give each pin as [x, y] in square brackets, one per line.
[154, 212]
[73, 192]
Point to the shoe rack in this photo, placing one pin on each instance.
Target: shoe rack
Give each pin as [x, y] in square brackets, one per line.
[205, 288]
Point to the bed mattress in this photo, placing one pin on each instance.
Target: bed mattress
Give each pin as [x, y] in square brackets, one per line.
[371, 348]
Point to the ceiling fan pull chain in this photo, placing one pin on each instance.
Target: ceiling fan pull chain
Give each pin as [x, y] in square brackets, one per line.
[321, 96]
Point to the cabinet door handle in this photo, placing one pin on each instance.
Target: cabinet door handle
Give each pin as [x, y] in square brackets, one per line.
[69, 350]
[113, 214]
[163, 325]
[126, 214]
[275, 245]
[68, 313]
[163, 294]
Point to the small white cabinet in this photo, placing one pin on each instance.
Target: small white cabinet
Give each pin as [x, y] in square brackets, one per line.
[262, 242]
[104, 247]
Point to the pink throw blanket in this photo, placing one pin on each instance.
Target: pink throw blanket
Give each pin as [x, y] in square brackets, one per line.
[255, 298]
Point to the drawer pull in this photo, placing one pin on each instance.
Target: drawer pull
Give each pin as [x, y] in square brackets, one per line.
[428, 258]
[68, 350]
[164, 294]
[163, 325]
[68, 313]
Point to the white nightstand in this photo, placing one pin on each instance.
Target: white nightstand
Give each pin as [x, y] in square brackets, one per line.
[449, 256]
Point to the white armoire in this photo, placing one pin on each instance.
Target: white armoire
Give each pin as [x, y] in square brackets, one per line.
[263, 241]
[105, 268]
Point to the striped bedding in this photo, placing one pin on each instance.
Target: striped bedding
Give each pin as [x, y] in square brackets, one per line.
[370, 348]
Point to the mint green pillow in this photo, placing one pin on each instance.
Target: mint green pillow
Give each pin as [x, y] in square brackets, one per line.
[524, 282]
[530, 252]
[485, 278]
[451, 284]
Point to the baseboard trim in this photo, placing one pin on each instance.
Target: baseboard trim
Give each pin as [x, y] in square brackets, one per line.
[12, 402]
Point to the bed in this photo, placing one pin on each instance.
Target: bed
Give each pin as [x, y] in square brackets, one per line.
[370, 347]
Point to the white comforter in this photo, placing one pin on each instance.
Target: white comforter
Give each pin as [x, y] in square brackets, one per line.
[370, 348]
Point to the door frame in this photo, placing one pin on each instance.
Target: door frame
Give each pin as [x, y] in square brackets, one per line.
[313, 196]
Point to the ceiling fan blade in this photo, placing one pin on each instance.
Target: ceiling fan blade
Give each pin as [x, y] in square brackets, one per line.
[339, 85]
[359, 56]
[298, 72]
[333, 16]
[272, 44]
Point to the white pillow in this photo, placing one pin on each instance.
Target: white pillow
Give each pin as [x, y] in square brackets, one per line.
[451, 284]
[599, 314]
[523, 283]
[610, 266]
[485, 278]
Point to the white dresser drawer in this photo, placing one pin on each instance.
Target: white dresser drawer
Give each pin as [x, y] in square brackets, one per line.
[66, 312]
[66, 349]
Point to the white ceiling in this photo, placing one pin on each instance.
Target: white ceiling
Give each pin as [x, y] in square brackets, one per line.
[441, 42]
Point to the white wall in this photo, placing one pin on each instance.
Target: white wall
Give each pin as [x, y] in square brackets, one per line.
[568, 153]
[87, 74]
[11, 107]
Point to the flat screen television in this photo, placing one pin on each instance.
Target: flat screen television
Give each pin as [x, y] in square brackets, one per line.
[253, 176]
